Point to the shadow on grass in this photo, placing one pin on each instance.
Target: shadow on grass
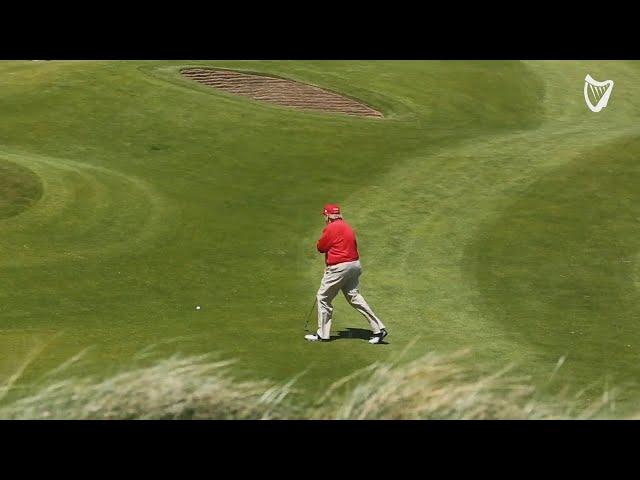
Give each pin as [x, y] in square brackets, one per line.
[354, 334]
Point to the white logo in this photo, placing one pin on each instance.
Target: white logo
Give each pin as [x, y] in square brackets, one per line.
[598, 91]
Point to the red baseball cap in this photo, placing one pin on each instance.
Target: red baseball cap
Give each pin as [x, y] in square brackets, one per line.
[331, 209]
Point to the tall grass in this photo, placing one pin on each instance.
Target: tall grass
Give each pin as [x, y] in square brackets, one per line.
[195, 387]
[201, 387]
[440, 387]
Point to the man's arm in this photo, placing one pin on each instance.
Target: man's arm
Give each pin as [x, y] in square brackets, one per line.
[324, 244]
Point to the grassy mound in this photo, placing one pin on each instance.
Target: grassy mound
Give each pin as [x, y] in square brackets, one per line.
[20, 188]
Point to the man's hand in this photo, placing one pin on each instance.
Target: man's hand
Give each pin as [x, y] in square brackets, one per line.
[323, 245]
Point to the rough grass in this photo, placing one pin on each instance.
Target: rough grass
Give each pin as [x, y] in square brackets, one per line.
[201, 387]
[194, 387]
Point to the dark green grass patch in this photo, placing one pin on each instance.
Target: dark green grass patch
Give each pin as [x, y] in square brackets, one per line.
[20, 188]
[560, 266]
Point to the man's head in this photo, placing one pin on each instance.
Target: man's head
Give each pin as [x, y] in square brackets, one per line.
[331, 212]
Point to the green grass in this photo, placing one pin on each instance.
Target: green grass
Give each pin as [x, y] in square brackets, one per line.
[20, 188]
[493, 209]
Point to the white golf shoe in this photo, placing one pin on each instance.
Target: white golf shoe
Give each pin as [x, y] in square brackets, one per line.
[378, 337]
[314, 337]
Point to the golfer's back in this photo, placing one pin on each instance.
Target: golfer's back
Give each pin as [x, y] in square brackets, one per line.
[343, 246]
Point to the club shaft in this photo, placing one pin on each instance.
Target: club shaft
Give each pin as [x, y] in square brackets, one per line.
[306, 324]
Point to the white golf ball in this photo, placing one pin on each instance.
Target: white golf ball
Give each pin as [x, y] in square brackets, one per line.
[197, 307]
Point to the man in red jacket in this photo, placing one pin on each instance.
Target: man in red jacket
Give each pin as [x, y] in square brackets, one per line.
[338, 243]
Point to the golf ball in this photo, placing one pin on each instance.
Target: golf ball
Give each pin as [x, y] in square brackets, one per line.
[197, 307]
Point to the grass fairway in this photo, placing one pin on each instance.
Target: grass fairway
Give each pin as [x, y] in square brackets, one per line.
[494, 211]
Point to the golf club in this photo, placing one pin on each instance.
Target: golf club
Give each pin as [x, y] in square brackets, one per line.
[306, 323]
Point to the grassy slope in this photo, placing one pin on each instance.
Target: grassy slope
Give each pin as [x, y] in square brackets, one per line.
[161, 194]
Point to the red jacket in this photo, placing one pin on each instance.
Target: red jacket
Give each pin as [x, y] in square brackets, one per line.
[338, 243]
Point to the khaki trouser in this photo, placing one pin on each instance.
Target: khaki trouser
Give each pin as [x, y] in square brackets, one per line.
[346, 277]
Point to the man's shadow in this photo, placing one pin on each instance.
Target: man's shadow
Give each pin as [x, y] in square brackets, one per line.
[354, 333]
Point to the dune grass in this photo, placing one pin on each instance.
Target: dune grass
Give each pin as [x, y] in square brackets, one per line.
[431, 387]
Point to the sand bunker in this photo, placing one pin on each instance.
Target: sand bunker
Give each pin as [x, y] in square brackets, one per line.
[280, 91]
